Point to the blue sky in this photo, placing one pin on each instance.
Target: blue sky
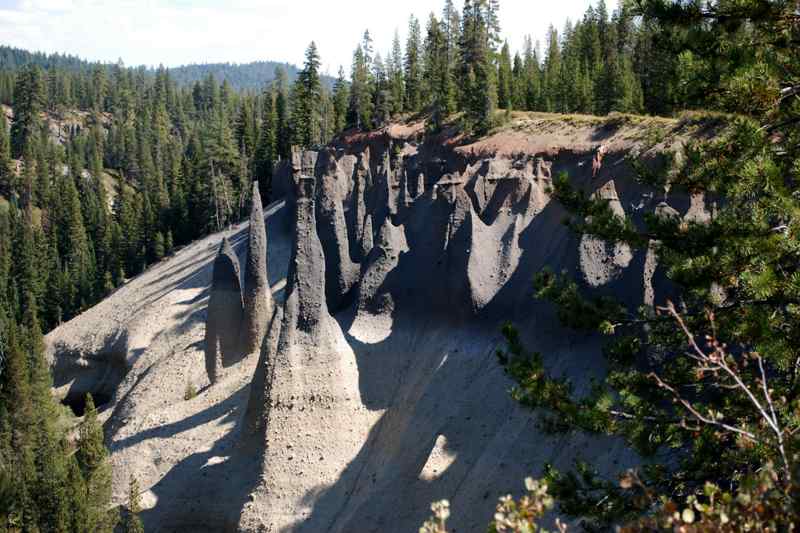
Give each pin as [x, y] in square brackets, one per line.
[176, 32]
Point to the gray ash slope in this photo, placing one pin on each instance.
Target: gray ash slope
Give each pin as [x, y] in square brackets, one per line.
[377, 389]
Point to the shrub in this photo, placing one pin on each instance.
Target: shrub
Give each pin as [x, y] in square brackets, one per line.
[191, 391]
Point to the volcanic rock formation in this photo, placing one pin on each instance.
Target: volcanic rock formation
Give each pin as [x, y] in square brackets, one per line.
[393, 260]
[601, 261]
[225, 312]
[312, 390]
[341, 271]
[258, 303]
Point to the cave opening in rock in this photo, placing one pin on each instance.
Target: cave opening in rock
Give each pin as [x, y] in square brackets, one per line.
[77, 401]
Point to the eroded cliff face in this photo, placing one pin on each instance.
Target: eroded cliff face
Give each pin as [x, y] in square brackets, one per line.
[393, 263]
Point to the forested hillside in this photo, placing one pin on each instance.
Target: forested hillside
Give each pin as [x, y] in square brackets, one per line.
[241, 76]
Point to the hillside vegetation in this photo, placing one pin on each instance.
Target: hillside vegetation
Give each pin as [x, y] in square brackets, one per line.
[251, 76]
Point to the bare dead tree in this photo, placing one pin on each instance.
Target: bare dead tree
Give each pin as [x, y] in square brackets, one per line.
[215, 194]
[245, 181]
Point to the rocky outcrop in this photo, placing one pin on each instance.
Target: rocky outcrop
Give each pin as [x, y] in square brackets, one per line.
[601, 261]
[312, 393]
[225, 311]
[492, 253]
[361, 182]
[366, 237]
[258, 404]
[405, 195]
[340, 271]
[381, 261]
[420, 185]
[258, 303]
[656, 287]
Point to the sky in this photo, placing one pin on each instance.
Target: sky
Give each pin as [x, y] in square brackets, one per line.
[177, 32]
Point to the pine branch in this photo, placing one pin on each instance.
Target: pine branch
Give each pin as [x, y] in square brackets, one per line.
[697, 414]
[717, 361]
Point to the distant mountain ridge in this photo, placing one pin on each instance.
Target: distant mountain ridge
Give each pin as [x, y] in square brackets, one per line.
[251, 76]
[245, 76]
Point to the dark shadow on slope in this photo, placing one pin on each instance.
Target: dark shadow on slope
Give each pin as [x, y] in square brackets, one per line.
[199, 270]
[195, 299]
[126, 403]
[608, 129]
[212, 413]
[199, 492]
[449, 394]
[77, 402]
[438, 378]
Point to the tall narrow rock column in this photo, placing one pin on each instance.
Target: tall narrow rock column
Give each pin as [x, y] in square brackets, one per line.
[258, 303]
[224, 311]
[341, 272]
[313, 416]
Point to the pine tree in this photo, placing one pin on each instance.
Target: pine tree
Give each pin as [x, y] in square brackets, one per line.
[76, 496]
[130, 236]
[27, 276]
[708, 379]
[657, 72]
[479, 84]
[491, 9]
[306, 100]
[283, 141]
[552, 69]
[360, 110]
[533, 100]
[28, 104]
[413, 67]
[159, 246]
[505, 80]
[219, 146]
[341, 100]
[266, 152]
[169, 242]
[75, 247]
[382, 93]
[49, 490]
[608, 86]
[367, 48]
[396, 75]
[6, 251]
[243, 130]
[7, 179]
[92, 458]
[451, 26]
[629, 90]
[132, 523]
[518, 83]
[27, 184]
[18, 429]
[438, 76]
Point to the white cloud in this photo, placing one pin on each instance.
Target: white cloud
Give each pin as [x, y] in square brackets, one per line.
[184, 31]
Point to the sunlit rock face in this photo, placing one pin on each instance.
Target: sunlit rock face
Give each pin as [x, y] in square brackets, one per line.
[258, 303]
